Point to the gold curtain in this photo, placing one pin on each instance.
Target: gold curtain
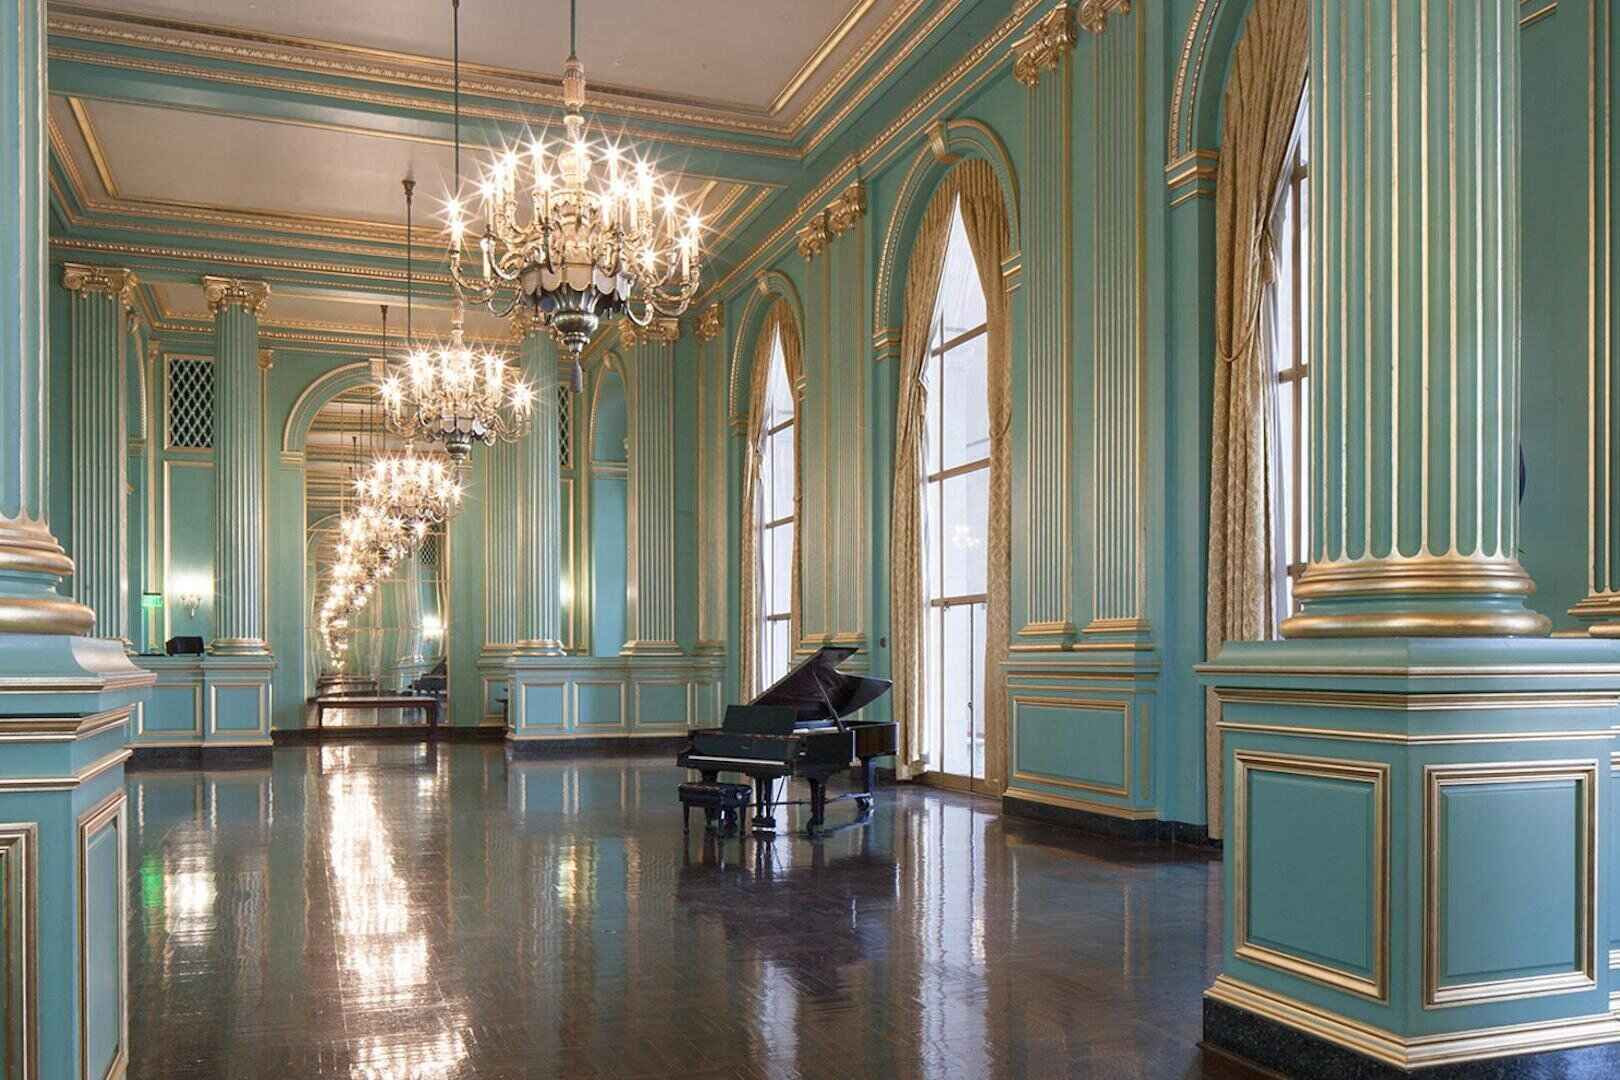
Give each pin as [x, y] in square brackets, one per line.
[985, 220]
[1261, 107]
[779, 319]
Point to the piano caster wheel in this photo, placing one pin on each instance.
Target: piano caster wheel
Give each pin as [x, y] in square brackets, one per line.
[863, 804]
[764, 824]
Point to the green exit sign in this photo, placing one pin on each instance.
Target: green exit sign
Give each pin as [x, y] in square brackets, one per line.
[151, 600]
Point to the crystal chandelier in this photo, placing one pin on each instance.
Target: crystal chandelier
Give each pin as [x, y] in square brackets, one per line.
[420, 488]
[577, 231]
[454, 394]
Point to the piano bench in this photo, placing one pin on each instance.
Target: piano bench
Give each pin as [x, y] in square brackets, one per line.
[726, 802]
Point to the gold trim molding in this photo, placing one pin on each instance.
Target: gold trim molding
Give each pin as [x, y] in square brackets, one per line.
[1093, 14]
[109, 813]
[223, 292]
[1436, 778]
[1047, 42]
[85, 280]
[19, 949]
[1372, 773]
[1477, 1044]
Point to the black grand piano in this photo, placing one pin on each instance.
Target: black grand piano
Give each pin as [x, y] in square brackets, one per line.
[798, 728]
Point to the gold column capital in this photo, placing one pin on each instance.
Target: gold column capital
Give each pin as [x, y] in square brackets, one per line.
[814, 237]
[844, 211]
[1046, 43]
[1093, 15]
[659, 331]
[222, 292]
[526, 322]
[711, 321]
[85, 280]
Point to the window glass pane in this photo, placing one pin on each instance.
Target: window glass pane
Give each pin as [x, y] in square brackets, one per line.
[781, 454]
[780, 589]
[781, 649]
[966, 503]
[959, 659]
[778, 394]
[934, 622]
[961, 294]
[931, 430]
[933, 584]
[966, 420]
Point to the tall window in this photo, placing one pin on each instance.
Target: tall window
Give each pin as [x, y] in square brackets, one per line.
[773, 515]
[1291, 363]
[956, 512]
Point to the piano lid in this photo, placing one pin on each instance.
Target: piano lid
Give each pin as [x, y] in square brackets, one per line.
[819, 691]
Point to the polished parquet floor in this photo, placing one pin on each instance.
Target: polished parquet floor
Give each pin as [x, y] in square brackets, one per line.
[416, 912]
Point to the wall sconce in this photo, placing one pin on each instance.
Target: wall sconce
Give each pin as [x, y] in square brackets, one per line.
[191, 590]
[432, 627]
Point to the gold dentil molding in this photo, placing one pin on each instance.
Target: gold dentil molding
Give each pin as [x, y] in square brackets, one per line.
[100, 280]
[710, 322]
[659, 331]
[1040, 50]
[222, 292]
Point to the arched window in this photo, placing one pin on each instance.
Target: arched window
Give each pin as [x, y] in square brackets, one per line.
[1288, 313]
[774, 522]
[956, 510]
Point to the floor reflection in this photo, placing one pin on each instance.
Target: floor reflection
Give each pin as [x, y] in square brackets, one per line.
[400, 912]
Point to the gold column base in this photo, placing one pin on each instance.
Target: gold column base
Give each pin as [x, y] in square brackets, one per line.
[1421, 596]
[28, 548]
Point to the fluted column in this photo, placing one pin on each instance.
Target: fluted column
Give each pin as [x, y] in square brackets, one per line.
[1415, 314]
[539, 506]
[101, 297]
[31, 559]
[651, 566]
[239, 581]
[1043, 62]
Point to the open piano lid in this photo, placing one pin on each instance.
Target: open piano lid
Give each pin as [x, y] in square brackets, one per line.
[819, 691]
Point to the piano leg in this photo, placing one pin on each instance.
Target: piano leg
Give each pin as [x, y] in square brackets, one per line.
[863, 798]
[818, 805]
[764, 799]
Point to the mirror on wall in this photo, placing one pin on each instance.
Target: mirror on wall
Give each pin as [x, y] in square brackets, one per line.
[397, 642]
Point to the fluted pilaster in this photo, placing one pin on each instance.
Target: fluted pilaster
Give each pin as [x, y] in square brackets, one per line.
[30, 556]
[1414, 252]
[100, 300]
[1043, 62]
[1118, 285]
[539, 507]
[500, 548]
[710, 331]
[1602, 602]
[239, 563]
[651, 565]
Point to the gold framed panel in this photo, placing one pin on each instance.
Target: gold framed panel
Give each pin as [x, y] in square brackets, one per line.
[196, 729]
[1436, 779]
[573, 714]
[19, 948]
[1375, 775]
[686, 698]
[1123, 708]
[264, 707]
[109, 813]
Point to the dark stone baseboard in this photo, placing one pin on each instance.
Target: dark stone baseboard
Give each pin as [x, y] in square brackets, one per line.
[192, 757]
[393, 733]
[1276, 1047]
[597, 746]
[1139, 830]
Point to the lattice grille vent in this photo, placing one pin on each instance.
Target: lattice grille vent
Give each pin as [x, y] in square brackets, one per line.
[191, 403]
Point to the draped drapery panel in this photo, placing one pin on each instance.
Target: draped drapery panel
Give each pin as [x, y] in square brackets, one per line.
[1261, 108]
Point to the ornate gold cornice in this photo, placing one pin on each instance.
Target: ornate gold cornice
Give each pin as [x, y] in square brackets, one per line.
[101, 281]
[1046, 43]
[222, 292]
[832, 221]
[659, 331]
[710, 322]
[1093, 14]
